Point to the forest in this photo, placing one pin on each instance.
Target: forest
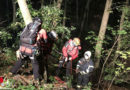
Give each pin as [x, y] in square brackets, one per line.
[102, 26]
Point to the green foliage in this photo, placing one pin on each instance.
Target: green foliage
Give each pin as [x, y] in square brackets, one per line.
[120, 71]
[92, 38]
[29, 87]
[69, 81]
[52, 79]
[9, 43]
[4, 36]
[7, 57]
[88, 87]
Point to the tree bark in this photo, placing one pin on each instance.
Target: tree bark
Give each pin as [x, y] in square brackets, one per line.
[77, 13]
[84, 16]
[64, 18]
[25, 12]
[14, 10]
[59, 3]
[102, 31]
[42, 1]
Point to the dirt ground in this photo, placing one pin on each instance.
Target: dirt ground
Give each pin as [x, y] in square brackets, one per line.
[25, 76]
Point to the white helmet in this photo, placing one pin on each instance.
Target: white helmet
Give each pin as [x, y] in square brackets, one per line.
[53, 35]
[87, 54]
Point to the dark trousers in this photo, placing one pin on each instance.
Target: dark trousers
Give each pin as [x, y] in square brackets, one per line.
[35, 66]
[83, 79]
[68, 67]
[43, 65]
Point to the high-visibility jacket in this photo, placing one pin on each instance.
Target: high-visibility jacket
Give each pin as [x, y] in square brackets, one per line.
[69, 49]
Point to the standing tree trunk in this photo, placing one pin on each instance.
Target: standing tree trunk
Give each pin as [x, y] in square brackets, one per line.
[42, 1]
[84, 16]
[77, 13]
[102, 31]
[64, 18]
[59, 2]
[25, 12]
[14, 10]
[7, 10]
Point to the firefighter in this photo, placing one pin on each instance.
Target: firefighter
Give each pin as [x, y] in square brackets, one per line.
[70, 52]
[84, 68]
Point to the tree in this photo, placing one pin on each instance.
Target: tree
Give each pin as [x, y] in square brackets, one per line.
[25, 12]
[42, 1]
[85, 16]
[64, 17]
[120, 28]
[101, 34]
[14, 10]
[59, 2]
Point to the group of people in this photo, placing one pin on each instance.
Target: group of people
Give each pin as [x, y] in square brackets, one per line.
[43, 46]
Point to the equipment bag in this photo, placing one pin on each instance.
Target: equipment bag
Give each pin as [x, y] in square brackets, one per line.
[29, 34]
[28, 50]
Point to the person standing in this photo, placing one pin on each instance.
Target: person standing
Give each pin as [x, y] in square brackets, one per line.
[45, 51]
[84, 68]
[70, 52]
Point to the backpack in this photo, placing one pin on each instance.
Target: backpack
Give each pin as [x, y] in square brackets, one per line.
[29, 34]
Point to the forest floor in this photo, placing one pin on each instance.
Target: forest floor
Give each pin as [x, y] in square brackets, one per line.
[25, 77]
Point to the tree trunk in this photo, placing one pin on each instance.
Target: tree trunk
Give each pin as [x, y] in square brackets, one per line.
[120, 28]
[7, 10]
[42, 1]
[64, 18]
[102, 31]
[77, 13]
[59, 3]
[14, 10]
[25, 12]
[84, 16]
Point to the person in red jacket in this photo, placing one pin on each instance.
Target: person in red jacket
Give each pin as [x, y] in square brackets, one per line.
[70, 52]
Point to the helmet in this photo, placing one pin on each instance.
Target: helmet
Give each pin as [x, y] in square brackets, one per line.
[37, 19]
[87, 54]
[53, 35]
[76, 41]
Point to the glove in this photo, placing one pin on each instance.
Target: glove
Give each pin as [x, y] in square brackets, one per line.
[66, 59]
[70, 58]
[17, 54]
[82, 73]
[87, 70]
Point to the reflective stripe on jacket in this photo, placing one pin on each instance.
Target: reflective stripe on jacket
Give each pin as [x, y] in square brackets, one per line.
[85, 67]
